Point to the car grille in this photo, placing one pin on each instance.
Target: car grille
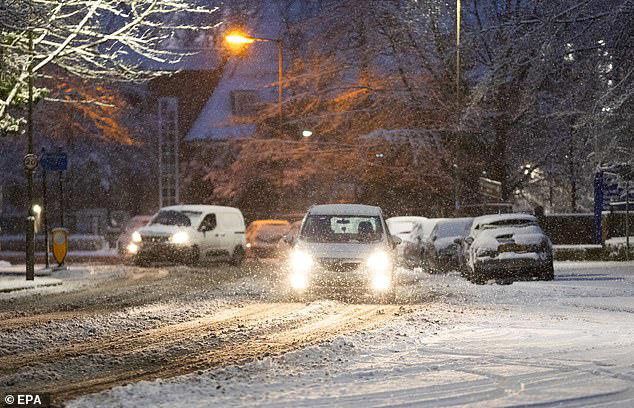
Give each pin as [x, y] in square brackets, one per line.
[152, 239]
[337, 265]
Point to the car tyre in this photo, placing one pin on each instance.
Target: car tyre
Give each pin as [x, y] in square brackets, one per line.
[477, 276]
[548, 273]
[194, 256]
[141, 261]
[238, 256]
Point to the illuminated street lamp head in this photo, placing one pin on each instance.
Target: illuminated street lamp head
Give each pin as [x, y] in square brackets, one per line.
[37, 210]
[237, 38]
[307, 133]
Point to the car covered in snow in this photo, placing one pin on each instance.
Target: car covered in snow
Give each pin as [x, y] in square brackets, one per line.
[412, 250]
[263, 237]
[508, 246]
[343, 246]
[443, 248]
[402, 228]
[189, 233]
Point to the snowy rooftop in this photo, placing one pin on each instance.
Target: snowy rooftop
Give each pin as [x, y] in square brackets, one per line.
[257, 70]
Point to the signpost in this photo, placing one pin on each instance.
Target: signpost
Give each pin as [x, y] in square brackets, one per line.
[612, 187]
[30, 164]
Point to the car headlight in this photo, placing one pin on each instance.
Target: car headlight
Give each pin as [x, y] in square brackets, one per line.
[133, 248]
[380, 265]
[136, 237]
[180, 237]
[379, 262]
[301, 262]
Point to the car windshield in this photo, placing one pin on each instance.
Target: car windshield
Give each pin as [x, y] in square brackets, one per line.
[172, 217]
[452, 228]
[342, 228]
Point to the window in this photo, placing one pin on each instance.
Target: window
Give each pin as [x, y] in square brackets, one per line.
[244, 102]
[345, 228]
[208, 223]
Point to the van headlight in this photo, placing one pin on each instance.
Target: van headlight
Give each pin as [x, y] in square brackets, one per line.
[180, 237]
[136, 237]
[380, 266]
[133, 248]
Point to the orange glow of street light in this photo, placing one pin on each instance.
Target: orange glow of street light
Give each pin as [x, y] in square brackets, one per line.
[237, 38]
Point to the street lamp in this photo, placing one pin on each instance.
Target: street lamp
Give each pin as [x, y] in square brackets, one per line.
[307, 133]
[240, 39]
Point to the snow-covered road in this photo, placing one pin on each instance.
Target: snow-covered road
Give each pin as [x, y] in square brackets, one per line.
[232, 340]
[564, 343]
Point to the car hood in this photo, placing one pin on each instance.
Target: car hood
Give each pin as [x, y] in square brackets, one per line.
[340, 250]
[160, 230]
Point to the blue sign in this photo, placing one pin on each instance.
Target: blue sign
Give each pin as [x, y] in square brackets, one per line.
[54, 161]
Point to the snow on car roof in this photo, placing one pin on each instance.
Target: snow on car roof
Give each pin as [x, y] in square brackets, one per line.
[405, 219]
[345, 209]
[489, 219]
[200, 208]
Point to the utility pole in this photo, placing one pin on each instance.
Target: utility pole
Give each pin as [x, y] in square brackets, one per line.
[30, 219]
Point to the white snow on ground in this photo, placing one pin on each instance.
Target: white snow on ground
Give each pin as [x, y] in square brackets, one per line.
[14, 283]
[569, 342]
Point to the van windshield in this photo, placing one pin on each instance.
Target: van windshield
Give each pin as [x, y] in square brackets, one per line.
[342, 228]
[178, 218]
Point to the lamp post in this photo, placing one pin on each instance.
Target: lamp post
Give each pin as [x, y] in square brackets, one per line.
[239, 39]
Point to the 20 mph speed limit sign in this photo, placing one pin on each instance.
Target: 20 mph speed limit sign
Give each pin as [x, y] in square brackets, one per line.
[30, 162]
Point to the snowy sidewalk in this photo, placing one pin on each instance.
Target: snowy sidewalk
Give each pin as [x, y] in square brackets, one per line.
[12, 283]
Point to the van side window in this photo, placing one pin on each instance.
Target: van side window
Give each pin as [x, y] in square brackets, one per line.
[209, 223]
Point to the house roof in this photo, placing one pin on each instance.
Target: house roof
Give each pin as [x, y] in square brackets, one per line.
[256, 70]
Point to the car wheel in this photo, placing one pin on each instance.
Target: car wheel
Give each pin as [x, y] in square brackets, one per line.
[141, 261]
[548, 273]
[194, 256]
[238, 256]
[477, 276]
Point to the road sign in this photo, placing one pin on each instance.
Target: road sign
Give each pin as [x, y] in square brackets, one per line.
[30, 162]
[54, 161]
[490, 188]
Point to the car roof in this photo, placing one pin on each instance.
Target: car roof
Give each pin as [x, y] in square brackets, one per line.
[406, 219]
[345, 209]
[200, 208]
[489, 219]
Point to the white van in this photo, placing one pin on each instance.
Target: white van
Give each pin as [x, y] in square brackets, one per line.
[189, 233]
[343, 245]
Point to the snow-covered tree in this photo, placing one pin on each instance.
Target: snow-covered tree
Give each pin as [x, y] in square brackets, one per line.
[98, 39]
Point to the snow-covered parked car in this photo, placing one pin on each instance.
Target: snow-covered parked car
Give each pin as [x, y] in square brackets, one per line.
[343, 246]
[507, 247]
[443, 248]
[189, 233]
[402, 228]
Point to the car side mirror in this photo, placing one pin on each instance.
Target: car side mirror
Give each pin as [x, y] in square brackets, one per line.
[396, 241]
[469, 240]
[434, 238]
[458, 241]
